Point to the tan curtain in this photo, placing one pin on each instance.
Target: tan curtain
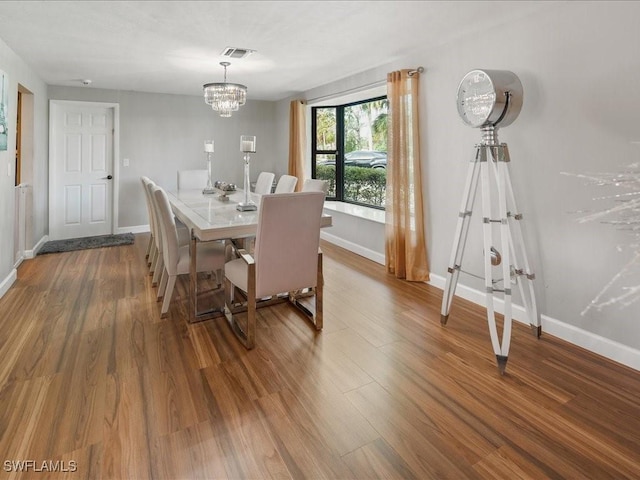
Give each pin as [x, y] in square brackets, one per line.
[406, 251]
[297, 140]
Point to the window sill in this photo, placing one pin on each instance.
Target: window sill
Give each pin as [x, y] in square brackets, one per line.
[371, 214]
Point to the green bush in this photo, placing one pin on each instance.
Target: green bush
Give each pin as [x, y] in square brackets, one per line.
[361, 184]
[328, 173]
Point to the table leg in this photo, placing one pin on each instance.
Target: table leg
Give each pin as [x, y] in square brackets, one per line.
[193, 279]
[195, 315]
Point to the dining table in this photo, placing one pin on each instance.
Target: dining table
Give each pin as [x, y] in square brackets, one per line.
[215, 217]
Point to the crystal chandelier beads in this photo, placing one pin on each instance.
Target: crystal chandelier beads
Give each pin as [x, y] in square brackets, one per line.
[225, 97]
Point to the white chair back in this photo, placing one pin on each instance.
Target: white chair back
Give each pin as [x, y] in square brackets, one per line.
[264, 183]
[286, 184]
[287, 241]
[315, 185]
[168, 228]
[151, 252]
[192, 179]
[157, 234]
[157, 267]
[145, 182]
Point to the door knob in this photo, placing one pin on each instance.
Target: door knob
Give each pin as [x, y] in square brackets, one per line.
[108, 177]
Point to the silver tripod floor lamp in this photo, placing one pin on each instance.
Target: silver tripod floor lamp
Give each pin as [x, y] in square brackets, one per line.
[487, 99]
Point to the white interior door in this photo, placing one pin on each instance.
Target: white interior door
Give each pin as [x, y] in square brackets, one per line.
[80, 170]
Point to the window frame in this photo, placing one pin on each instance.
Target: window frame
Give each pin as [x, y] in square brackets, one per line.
[339, 152]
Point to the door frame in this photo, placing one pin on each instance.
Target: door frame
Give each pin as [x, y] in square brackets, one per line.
[54, 105]
[20, 218]
[24, 148]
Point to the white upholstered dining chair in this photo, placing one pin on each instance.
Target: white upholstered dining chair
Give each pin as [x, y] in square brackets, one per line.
[156, 265]
[286, 259]
[264, 183]
[315, 185]
[286, 184]
[192, 179]
[210, 255]
[151, 247]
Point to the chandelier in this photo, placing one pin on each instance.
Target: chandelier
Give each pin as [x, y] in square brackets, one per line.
[225, 97]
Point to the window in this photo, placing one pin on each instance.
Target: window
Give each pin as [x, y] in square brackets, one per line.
[349, 150]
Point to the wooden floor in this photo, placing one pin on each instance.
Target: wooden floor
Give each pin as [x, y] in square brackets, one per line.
[93, 379]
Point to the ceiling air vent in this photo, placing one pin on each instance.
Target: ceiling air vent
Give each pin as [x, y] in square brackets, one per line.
[233, 52]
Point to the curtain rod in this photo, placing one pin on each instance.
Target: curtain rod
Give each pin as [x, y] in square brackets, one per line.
[378, 83]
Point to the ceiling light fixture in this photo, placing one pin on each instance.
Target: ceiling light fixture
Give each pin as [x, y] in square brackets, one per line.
[225, 97]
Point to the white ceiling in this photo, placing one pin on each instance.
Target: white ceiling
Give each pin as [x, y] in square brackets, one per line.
[175, 47]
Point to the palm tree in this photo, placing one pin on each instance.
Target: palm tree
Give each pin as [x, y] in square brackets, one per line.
[326, 128]
[379, 127]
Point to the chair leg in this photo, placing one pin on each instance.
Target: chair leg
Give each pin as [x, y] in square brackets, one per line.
[157, 258]
[228, 292]
[171, 283]
[247, 336]
[149, 245]
[162, 286]
[251, 307]
[319, 291]
[157, 271]
[251, 322]
[152, 260]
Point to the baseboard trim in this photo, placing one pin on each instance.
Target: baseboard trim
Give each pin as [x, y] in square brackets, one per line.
[5, 285]
[610, 349]
[353, 247]
[18, 262]
[133, 229]
[28, 254]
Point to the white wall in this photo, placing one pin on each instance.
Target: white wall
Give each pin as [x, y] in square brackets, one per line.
[575, 62]
[35, 173]
[580, 68]
[161, 134]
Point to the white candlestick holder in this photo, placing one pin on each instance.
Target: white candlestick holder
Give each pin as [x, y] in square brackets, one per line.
[247, 146]
[208, 148]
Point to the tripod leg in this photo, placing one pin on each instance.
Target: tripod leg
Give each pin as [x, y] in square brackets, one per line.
[460, 239]
[521, 263]
[501, 166]
[488, 274]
